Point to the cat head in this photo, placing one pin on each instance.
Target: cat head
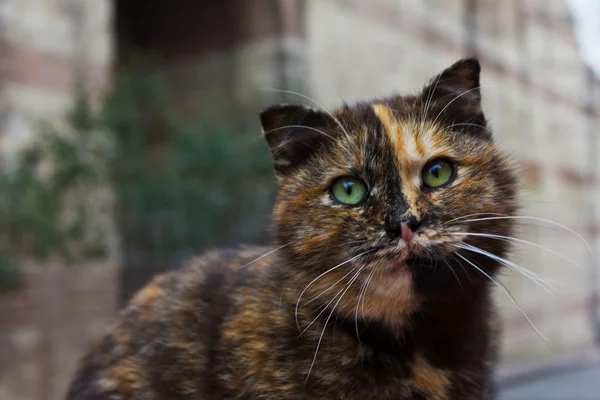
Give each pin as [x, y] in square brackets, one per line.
[401, 186]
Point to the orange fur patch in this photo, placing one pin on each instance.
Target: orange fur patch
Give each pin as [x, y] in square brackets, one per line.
[433, 381]
[124, 377]
[409, 150]
[390, 126]
[148, 295]
[389, 299]
[414, 144]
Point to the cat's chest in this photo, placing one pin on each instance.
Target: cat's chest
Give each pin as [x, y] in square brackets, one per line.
[336, 362]
[338, 377]
[384, 371]
[342, 367]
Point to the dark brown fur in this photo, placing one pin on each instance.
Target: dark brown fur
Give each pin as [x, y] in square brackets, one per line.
[221, 329]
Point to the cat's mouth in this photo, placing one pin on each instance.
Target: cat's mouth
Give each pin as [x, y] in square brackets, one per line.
[404, 260]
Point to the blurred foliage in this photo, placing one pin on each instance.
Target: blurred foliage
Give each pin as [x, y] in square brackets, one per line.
[10, 274]
[179, 184]
[199, 182]
[57, 171]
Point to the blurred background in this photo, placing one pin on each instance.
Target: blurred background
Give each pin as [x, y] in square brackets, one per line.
[130, 141]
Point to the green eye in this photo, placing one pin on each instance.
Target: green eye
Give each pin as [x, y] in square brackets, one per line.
[349, 190]
[438, 173]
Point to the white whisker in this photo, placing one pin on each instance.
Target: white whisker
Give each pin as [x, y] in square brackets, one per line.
[369, 278]
[466, 124]
[299, 126]
[430, 94]
[539, 280]
[463, 268]
[510, 238]
[524, 217]
[319, 277]
[264, 255]
[332, 286]
[454, 273]
[453, 100]
[337, 121]
[473, 215]
[507, 292]
[328, 318]
[323, 309]
[361, 292]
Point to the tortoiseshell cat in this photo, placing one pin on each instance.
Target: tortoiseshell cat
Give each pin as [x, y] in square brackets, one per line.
[371, 292]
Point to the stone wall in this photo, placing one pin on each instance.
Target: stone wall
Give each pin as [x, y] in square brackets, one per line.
[45, 327]
[47, 48]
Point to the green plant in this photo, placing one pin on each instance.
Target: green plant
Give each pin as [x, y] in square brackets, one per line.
[183, 183]
[180, 184]
[51, 174]
[10, 274]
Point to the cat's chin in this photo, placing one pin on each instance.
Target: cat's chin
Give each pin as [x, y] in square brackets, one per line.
[407, 264]
[399, 268]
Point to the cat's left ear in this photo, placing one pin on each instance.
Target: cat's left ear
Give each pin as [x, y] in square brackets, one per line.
[294, 134]
[456, 94]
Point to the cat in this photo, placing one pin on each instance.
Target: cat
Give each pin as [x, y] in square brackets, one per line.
[373, 289]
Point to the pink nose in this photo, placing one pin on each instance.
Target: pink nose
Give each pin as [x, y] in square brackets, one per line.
[407, 233]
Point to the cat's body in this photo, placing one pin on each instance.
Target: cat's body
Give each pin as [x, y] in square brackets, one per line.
[372, 291]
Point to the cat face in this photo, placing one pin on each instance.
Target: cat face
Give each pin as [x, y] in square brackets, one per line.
[393, 185]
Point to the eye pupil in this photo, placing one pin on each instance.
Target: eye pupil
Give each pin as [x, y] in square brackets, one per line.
[348, 187]
[435, 170]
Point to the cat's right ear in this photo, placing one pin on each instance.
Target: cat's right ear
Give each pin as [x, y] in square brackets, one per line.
[294, 133]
